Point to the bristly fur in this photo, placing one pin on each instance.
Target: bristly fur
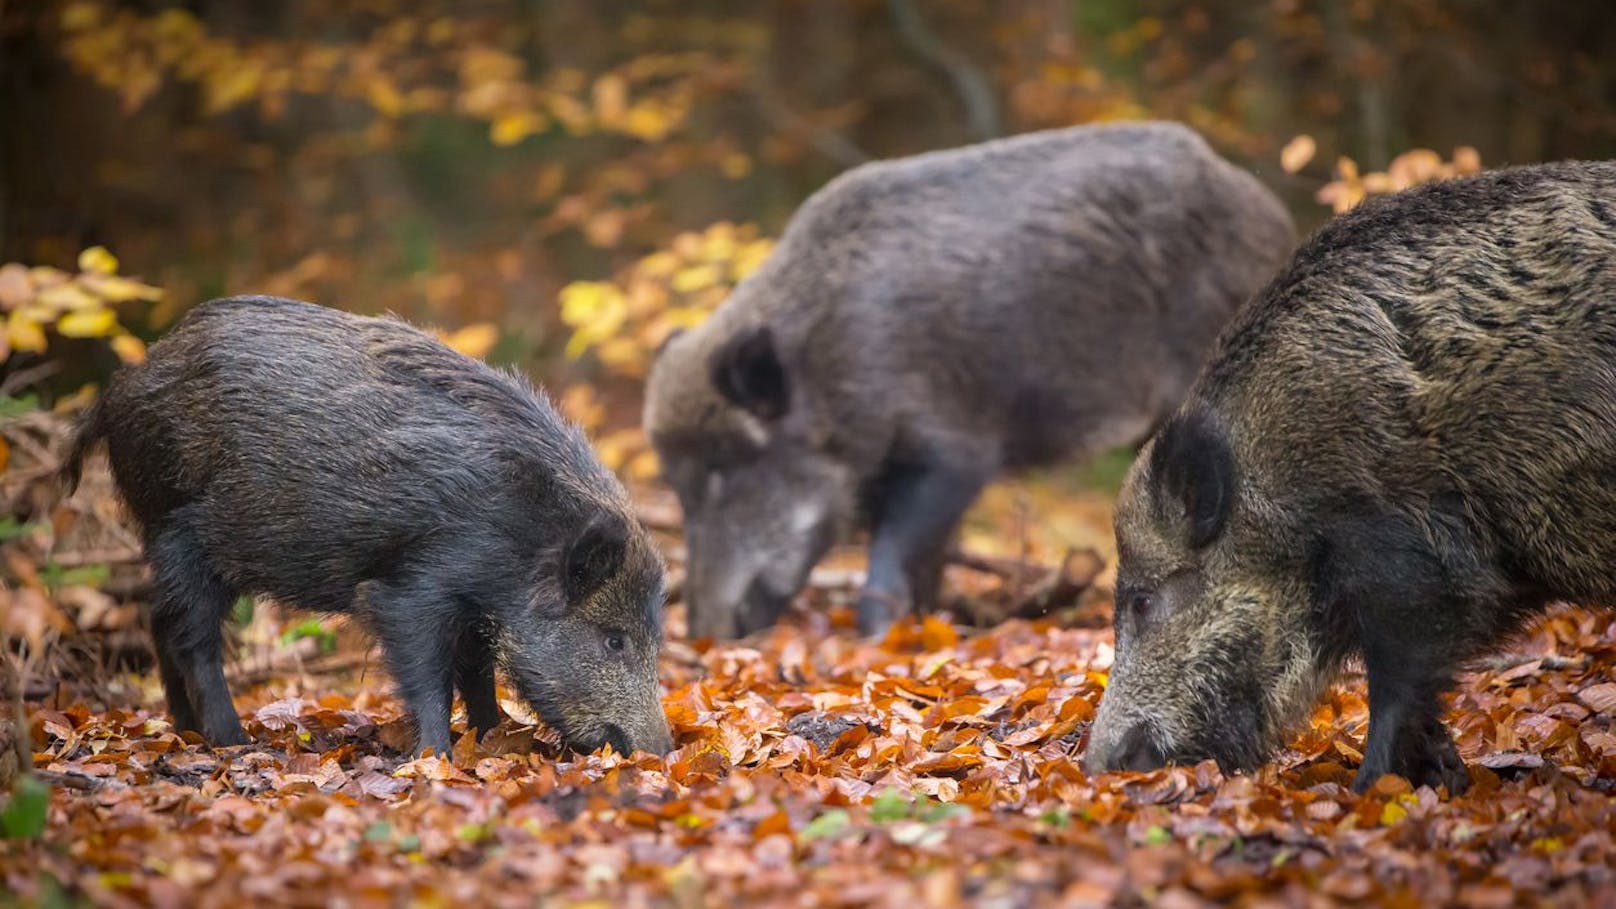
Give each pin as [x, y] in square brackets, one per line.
[1422, 415]
[932, 322]
[347, 464]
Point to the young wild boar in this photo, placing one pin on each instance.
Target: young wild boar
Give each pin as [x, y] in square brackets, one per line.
[346, 464]
[927, 323]
[1400, 451]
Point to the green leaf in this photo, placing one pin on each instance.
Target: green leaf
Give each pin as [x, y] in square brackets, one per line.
[241, 612]
[23, 817]
[832, 823]
[1057, 817]
[934, 812]
[1157, 836]
[312, 628]
[12, 529]
[379, 832]
[56, 577]
[16, 407]
[890, 805]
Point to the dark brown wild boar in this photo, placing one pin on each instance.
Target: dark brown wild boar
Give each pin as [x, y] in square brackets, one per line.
[1400, 451]
[928, 323]
[353, 465]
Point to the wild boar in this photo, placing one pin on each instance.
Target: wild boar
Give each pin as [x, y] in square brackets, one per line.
[1399, 452]
[344, 464]
[928, 323]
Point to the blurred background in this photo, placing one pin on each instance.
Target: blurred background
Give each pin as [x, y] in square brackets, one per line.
[558, 183]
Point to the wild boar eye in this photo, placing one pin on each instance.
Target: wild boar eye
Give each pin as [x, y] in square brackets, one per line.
[615, 642]
[1140, 605]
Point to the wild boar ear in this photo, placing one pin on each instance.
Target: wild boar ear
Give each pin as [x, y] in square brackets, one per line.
[593, 558]
[1195, 475]
[746, 369]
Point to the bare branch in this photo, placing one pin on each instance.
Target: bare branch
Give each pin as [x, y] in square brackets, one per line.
[973, 88]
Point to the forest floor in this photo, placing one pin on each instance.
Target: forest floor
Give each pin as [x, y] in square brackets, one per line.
[937, 767]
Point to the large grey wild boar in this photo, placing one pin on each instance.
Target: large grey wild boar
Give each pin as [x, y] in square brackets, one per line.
[355, 465]
[1400, 451]
[930, 322]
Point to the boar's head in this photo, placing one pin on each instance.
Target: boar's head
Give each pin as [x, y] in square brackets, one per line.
[582, 648]
[763, 497]
[1214, 653]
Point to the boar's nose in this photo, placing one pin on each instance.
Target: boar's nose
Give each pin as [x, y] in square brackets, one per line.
[650, 735]
[1135, 750]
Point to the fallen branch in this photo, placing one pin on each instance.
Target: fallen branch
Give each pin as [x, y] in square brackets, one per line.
[1054, 588]
[287, 663]
[81, 781]
[117, 555]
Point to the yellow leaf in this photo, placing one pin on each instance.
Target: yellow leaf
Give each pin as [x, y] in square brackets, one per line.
[718, 244]
[129, 348]
[67, 298]
[231, 86]
[24, 333]
[644, 466]
[658, 264]
[97, 259]
[116, 289]
[509, 129]
[649, 122]
[1296, 153]
[474, 340]
[91, 323]
[1466, 160]
[1392, 813]
[582, 300]
[80, 16]
[384, 96]
[735, 165]
[683, 317]
[45, 276]
[749, 258]
[696, 277]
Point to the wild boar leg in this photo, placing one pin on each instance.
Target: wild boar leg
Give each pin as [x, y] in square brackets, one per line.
[1389, 577]
[189, 606]
[1406, 734]
[414, 624]
[474, 676]
[921, 507]
[168, 670]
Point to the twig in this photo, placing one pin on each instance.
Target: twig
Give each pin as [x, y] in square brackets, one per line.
[329, 665]
[974, 91]
[80, 781]
[827, 142]
[1057, 588]
[27, 376]
[119, 555]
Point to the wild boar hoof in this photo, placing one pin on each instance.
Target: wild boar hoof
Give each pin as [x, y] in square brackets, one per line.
[226, 738]
[877, 610]
[1430, 760]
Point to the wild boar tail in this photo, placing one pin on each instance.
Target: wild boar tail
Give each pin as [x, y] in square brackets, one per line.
[90, 429]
